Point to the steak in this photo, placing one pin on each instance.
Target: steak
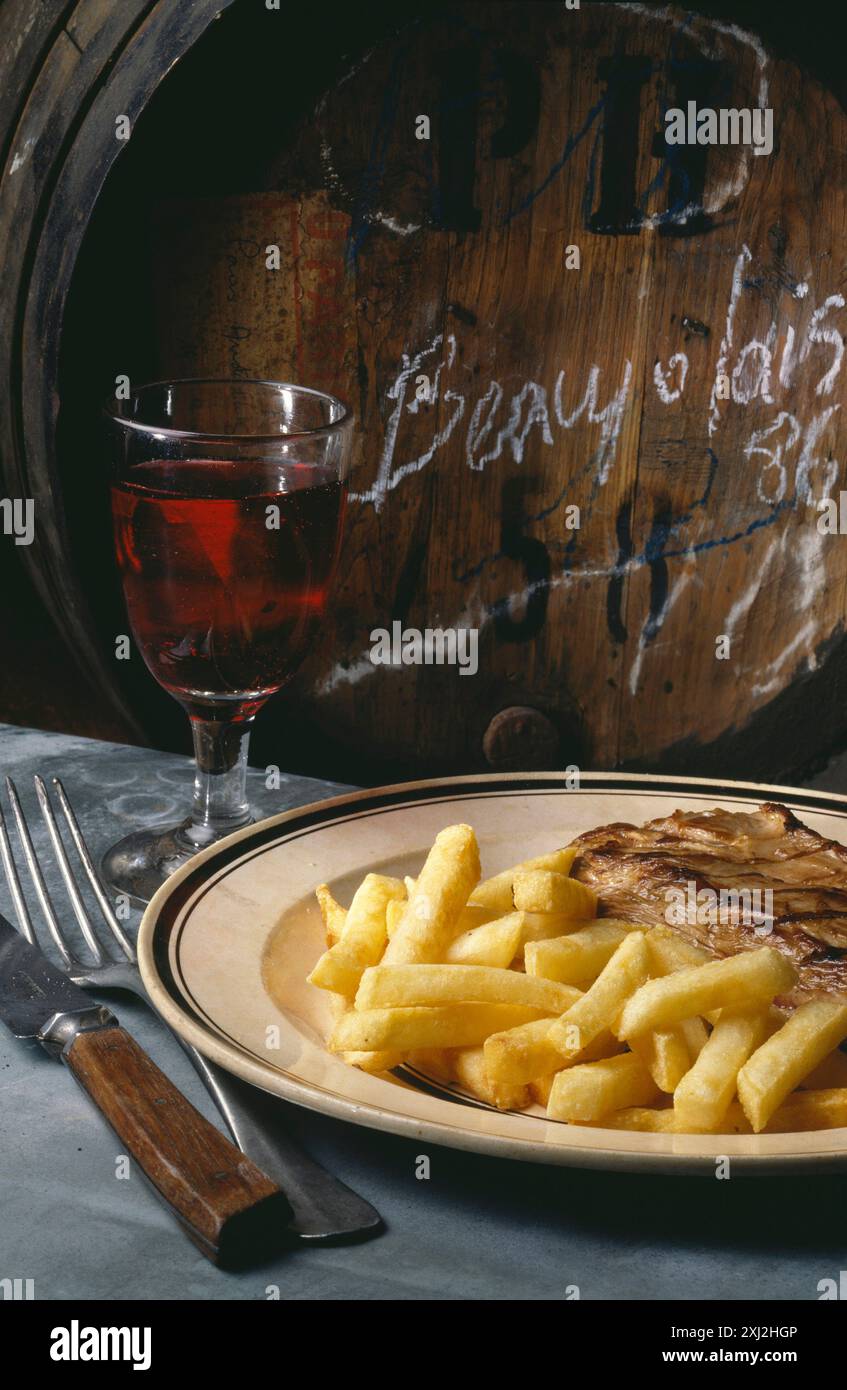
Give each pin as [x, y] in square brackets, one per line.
[729, 881]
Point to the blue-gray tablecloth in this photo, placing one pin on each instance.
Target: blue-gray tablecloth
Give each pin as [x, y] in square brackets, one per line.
[479, 1228]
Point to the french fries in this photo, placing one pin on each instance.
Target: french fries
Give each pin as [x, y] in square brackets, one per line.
[600, 1006]
[466, 1065]
[513, 991]
[440, 1025]
[393, 915]
[825, 1109]
[333, 914]
[526, 1053]
[666, 1056]
[496, 893]
[669, 952]
[435, 1061]
[585, 1093]
[540, 1089]
[494, 943]
[471, 1072]
[579, 956]
[749, 978]
[540, 926]
[803, 1110]
[704, 1094]
[830, 1073]
[435, 904]
[374, 1062]
[341, 967]
[471, 917]
[363, 936]
[779, 1064]
[522, 1054]
[544, 890]
[696, 1036]
[641, 1118]
[396, 986]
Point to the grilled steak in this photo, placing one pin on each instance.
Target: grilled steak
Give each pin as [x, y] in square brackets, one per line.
[657, 873]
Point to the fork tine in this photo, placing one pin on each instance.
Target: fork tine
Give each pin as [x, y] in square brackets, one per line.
[37, 876]
[82, 850]
[14, 882]
[78, 905]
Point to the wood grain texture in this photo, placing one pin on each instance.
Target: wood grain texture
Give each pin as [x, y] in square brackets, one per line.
[222, 312]
[77, 66]
[27, 30]
[230, 1209]
[555, 387]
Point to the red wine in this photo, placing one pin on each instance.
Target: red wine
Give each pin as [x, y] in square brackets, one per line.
[226, 569]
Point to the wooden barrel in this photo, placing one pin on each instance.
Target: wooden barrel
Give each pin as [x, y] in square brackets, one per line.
[597, 377]
[67, 72]
[638, 553]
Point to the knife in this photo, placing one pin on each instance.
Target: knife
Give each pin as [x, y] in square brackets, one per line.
[224, 1203]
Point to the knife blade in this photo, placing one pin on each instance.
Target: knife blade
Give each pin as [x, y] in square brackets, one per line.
[231, 1210]
[34, 994]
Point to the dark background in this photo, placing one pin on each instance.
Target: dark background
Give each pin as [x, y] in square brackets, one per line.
[218, 125]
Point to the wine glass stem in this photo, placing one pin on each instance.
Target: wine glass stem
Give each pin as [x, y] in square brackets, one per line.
[220, 778]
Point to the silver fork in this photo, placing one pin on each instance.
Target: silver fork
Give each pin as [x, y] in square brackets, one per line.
[324, 1208]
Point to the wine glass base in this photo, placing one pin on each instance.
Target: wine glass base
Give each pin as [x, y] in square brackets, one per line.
[141, 862]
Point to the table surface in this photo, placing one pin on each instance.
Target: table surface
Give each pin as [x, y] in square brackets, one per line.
[478, 1228]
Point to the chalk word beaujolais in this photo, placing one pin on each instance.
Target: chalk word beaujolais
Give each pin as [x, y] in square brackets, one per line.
[493, 427]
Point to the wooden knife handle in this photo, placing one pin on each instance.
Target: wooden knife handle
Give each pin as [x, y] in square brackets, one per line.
[229, 1208]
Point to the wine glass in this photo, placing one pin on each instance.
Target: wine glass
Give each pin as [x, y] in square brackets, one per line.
[228, 501]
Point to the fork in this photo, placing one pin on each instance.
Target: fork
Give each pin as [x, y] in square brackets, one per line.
[325, 1209]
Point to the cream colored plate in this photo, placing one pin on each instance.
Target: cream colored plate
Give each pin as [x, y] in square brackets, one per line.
[249, 900]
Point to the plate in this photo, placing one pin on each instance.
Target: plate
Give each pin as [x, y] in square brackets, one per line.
[249, 900]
